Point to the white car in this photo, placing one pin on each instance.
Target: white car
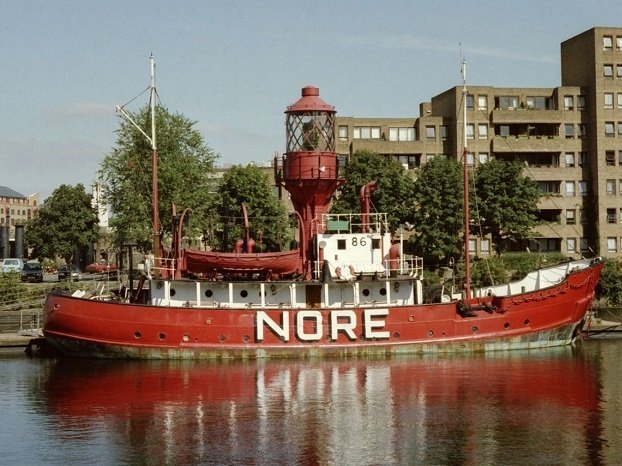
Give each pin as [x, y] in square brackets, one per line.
[12, 265]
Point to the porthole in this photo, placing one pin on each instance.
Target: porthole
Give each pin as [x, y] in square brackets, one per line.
[162, 336]
[222, 338]
[396, 335]
[209, 293]
[185, 338]
[430, 333]
[506, 325]
[527, 322]
[411, 318]
[245, 339]
[366, 292]
[474, 329]
[137, 335]
[173, 292]
[244, 293]
[383, 291]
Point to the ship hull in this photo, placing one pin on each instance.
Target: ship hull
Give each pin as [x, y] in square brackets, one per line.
[548, 317]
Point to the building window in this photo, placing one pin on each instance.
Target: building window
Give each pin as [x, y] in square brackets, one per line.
[619, 99]
[607, 43]
[611, 216]
[484, 246]
[570, 159]
[571, 245]
[610, 158]
[583, 159]
[608, 71]
[366, 132]
[619, 71]
[569, 130]
[401, 134]
[470, 159]
[582, 130]
[568, 102]
[620, 129]
[581, 105]
[469, 102]
[585, 246]
[429, 157]
[570, 217]
[620, 216]
[619, 43]
[483, 157]
[583, 188]
[410, 162]
[470, 130]
[608, 99]
[612, 244]
[343, 133]
[430, 133]
[482, 131]
[570, 188]
[610, 187]
[443, 131]
[609, 129]
[472, 247]
[509, 102]
[482, 102]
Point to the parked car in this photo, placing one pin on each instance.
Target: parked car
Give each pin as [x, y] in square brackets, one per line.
[64, 273]
[101, 267]
[12, 265]
[32, 272]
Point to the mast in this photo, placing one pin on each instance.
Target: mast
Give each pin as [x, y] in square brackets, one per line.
[154, 161]
[154, 166]
[465, 181]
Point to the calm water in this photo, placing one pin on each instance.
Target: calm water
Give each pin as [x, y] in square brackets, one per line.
[558, 406]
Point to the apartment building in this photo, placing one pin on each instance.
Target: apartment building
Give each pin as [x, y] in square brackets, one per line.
[568, 137]
[15, 210]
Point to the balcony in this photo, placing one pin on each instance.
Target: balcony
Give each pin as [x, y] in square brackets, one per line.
[526, 116]
[530, 144]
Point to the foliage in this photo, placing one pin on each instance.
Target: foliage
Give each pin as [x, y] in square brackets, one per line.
[184, 166]
[609, 286]
[504, 201]
[438, 213]
[268, 219]
[11, 287]
[393, 196]
[65, 222]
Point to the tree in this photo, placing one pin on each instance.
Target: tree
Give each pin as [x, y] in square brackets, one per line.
[65, 222]
[184, 166]
[438, 214]
[268, 219]
[505, 202]
[393, 196]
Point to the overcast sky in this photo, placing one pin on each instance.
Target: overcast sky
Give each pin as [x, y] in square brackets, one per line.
[234, 66]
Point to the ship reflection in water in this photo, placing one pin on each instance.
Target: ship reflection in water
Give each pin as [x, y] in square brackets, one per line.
[507, 408]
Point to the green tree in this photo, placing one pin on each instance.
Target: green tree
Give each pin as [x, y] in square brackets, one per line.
[65, 222]
[394, 193]
[609, 286]
[268, 220]
[184, 166]
[438, 214]
[504, 202]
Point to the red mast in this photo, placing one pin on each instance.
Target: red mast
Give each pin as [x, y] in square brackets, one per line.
[310, 166]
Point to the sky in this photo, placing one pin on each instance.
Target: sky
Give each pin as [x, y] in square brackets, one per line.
[234, 67]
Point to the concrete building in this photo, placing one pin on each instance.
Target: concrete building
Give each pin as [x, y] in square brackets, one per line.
[568, 137]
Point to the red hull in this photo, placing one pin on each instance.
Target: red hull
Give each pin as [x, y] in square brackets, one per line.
[549, 317]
